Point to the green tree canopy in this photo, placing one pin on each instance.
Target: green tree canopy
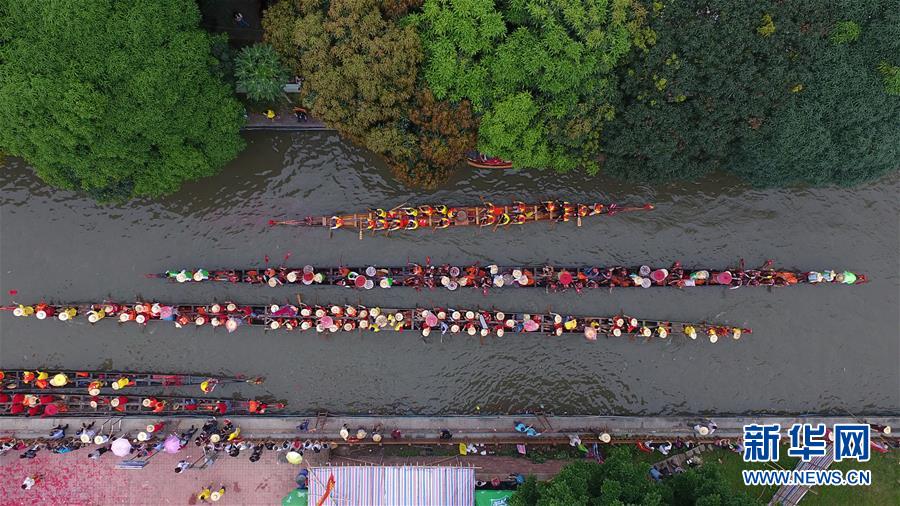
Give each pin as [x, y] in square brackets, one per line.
[259, 72]
[539, 70]
[118, 99]
[776, 92]
[622, 479]
[359, 67]
[360, 70]
[619, 480]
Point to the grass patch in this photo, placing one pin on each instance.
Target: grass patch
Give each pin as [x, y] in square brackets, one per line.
[885, 487]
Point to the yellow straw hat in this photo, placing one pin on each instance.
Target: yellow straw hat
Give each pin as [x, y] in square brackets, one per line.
[59, 380]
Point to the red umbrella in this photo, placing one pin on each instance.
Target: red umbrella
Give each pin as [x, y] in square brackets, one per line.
[565, 277]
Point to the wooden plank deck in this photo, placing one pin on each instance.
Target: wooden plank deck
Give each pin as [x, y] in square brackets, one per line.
[790, 495]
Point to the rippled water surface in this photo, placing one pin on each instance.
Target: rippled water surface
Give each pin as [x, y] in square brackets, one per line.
[813, 349]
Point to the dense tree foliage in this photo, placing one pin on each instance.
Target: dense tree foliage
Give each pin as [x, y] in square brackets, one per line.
[360, 75]
[621, 479]
[359, 68]
[777, 92]
[119, 99]
[539, 70]
[259, 73]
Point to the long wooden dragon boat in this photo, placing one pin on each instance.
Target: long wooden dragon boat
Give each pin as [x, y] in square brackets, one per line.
[334, 318]
[442, 216]
[41, 403]
[551, 278]
[94, 381]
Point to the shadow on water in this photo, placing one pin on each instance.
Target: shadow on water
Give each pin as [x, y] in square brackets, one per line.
[814, 349]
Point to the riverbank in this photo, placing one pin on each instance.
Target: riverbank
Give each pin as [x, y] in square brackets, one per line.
[72, 478]
[427, 429]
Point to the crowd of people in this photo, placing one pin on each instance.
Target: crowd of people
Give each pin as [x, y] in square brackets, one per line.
[444, 320]
[551, 278]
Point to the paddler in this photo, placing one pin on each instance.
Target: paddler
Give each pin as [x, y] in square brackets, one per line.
[846, 277]
[690, 331]
[43, 310]
[41, 380]
[59, 380]
[95, 316]
[67, 314]
[121, 383]
[94, 387]
[207, 386]
[23, 310]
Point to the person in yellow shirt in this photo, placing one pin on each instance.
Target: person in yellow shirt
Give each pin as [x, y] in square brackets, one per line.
[270, 114]
[204, 494]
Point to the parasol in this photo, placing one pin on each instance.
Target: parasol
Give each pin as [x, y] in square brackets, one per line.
[121, 447]
[172, 444]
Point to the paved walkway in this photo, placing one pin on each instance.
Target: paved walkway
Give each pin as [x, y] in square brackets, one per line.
[74, 479]
[491, 428]
[284, 121]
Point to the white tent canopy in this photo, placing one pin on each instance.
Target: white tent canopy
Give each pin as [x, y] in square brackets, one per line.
[392, 486]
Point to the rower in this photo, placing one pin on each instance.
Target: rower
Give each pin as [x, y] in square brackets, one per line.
[207, 386]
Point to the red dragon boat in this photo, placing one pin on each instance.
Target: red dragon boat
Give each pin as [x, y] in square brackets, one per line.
[94, 381]
[442, 216]
[45, 404]
[334, 318]
[549, 277]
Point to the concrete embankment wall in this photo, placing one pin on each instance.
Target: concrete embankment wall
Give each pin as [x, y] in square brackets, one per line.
[426, 429]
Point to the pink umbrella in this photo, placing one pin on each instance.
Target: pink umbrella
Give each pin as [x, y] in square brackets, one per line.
[724, 278]
[172, 444]
[121, 447]
[326, 321]
[659, 275]
[431, 320]
[530, 325]
[165, 312]
[360, 281]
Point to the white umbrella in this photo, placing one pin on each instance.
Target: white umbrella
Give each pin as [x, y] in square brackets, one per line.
[121, 447]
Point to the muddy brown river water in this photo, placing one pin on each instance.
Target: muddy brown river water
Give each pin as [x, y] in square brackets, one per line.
[814, 349]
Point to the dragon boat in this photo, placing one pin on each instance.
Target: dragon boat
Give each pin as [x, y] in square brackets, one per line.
[40, 403]
[334, 318]
[482, 161]
[442, 216]
[93, 381]
[551, 278]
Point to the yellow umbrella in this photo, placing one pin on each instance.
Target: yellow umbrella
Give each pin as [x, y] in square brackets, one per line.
[294, 458]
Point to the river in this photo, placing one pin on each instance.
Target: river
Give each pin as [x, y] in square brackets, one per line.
[814, 349]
